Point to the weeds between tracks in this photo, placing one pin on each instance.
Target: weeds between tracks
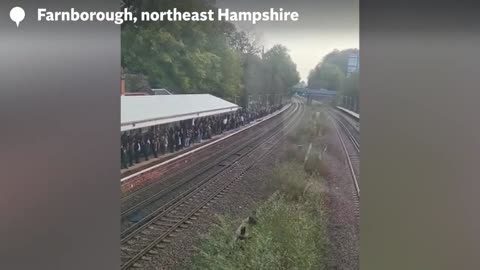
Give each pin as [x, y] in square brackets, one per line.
[289, 230]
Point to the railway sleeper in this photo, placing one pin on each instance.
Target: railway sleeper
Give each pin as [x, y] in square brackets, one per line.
[146, 232]
[171, 220]
[153, 228]
[178, 218]
[159, 223]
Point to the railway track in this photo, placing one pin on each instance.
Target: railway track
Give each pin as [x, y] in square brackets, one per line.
[352, 131]
[349, 139]
[141, 180]
[144, 204]
[154, 232]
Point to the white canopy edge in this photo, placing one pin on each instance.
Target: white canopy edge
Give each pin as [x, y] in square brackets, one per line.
[174, 118]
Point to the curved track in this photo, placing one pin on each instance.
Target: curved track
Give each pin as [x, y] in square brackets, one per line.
[138, 207]
[186, 199]
[349, 139]
[351, 131]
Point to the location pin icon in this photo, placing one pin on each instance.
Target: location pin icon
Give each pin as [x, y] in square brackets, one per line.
[17, 14]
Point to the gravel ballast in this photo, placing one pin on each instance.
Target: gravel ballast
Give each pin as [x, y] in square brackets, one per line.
[252, 189]
[343, 208]
[238, 202]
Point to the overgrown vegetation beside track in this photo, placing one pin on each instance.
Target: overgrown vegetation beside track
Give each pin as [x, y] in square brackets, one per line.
[289, 230]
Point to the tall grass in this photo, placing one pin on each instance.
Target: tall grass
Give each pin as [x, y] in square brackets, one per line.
[290, 229]
[287, 236]
[316, 166]
[291, 180]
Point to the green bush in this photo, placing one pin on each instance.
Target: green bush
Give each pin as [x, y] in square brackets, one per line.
[287, 236]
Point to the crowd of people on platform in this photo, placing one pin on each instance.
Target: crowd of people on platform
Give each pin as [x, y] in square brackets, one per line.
[169, 138]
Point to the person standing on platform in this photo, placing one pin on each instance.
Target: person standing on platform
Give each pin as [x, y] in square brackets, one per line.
[225, 122]
[209, 131]
[187, 138]
[124, 139]
[154, 146]
[124, 157]
[195, 135]
[171, 141]
[183, 134]
[163, 144]
[138, 151]
[145, 148]
[178, 140]
[130, 152]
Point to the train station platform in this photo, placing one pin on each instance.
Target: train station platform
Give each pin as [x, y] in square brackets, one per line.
[351, 113]
[145, 165]
[144, 114]
[161, 158]
[169, 126]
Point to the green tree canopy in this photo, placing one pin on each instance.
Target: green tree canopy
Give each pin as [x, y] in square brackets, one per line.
[202, 57]
[326, 75]
[351, 85]
[331, 74]
[339, 58]
[281, 71]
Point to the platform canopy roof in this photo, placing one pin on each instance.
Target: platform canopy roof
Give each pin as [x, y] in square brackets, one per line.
[145, 111]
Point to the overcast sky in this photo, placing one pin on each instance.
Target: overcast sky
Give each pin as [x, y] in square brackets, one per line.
[324, 25]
